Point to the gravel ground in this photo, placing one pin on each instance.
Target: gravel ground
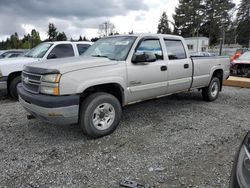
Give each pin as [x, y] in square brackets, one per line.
[176, 141]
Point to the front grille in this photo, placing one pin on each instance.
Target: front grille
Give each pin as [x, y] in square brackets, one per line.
[31, 82]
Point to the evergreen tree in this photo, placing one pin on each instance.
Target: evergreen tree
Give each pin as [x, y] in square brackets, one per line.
[131, 32]
[243, 23]
[85, 39]
[14, 41]
[94, 39]
[217, 19]
[163, 26]
[52, 32]
[61, 37]
[35, 38]
[80, 38]
[188, 17]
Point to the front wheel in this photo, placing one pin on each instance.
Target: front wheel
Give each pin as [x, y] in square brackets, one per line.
[211, 92]
[100, 114]
[13, 87]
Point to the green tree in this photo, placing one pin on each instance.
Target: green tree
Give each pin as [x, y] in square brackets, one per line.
[243, 23]
[131, 32]
[217, 19]
[52, 32]
[14, 41]
[80, 38]
[85, 39]
[189, 17]
[35, 38]
[26, 44]
[61, 37]
[163, 26]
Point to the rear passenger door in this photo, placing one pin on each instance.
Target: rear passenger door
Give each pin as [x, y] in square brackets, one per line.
[179, 66]
[61, 51]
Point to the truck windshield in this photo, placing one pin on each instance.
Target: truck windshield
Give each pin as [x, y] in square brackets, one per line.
[114, 48]
[39, 51]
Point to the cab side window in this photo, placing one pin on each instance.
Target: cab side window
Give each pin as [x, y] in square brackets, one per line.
[61, 50]
[151, 45]
[82, 48]
[175, 49]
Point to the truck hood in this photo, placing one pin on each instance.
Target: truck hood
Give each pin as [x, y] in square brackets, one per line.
[64, 65]
[18, 60]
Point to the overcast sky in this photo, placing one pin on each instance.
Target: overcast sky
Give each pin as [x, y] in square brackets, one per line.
[82, 17]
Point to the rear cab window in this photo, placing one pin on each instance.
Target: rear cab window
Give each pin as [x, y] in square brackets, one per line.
[82, 48]
[175, 49]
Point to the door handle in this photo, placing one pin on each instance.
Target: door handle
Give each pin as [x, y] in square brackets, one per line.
[164, 68]
[186, 66]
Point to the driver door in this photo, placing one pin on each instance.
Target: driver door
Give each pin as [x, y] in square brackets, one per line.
[147, 80]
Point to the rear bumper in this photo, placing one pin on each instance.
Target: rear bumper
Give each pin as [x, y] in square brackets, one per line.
[51, 109]
[226, 75]
[3, 83]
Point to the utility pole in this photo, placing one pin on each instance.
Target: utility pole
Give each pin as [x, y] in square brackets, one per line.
[222, 39]
[249, 32]
[106, 28]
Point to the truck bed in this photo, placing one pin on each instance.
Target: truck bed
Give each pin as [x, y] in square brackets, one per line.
[203, 67]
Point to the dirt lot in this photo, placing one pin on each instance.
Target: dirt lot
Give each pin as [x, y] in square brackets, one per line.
[176, 141]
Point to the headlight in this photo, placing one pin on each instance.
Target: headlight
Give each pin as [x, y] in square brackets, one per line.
[243, 165]
[53, 78]
[50, 84]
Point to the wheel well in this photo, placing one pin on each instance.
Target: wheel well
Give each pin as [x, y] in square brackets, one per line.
[112, 88]
[11, 77]
[219, 74]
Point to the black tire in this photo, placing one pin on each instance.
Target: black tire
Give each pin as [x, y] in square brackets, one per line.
[211, 92]
[13, 87]
[88, 113]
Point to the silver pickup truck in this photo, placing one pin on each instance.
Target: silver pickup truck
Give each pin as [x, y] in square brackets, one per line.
[116, 71]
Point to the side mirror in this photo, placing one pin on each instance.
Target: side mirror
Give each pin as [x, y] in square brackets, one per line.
[52, 56]
[142, 57]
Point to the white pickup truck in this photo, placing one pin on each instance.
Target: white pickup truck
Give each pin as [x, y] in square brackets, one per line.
[11, 69]
[114, 72]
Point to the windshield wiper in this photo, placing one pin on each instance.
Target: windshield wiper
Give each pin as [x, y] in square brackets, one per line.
[103, 56]
[100, 56]
[27, 55]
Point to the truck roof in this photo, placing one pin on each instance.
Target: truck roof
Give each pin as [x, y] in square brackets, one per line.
[152, 35]
[70, 42]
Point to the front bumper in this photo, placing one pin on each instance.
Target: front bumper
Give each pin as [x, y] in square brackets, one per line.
[3, 83]
[51, 109]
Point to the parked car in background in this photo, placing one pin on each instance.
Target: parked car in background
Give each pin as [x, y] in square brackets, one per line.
[11, 69]
[240, 175]
[116, 71]
[12, 53]
[2, 51]
[238, 53]
[241, 66]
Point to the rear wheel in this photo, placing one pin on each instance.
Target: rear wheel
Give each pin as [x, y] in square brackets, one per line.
[100, 114]
[13, 87]
[211, 92]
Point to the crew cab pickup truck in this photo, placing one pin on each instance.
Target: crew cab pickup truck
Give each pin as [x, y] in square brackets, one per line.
[11, 69]
[114, 72]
